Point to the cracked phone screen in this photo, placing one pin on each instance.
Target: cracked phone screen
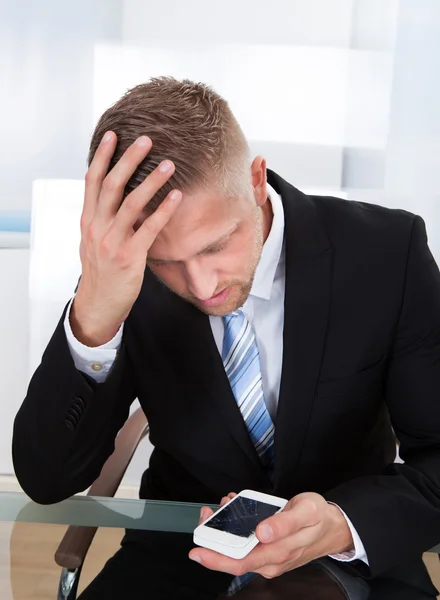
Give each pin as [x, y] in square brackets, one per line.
[242, 516]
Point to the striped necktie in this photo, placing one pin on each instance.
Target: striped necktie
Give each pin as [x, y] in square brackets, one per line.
[242, 365]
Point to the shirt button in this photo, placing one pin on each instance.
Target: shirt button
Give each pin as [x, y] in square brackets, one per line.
[96, 366]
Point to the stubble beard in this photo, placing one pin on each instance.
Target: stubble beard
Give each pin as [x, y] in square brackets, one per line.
[244, 287]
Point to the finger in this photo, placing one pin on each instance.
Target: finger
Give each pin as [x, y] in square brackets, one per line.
[134, 204]
[205, 513]
[114, 183]
[227, 498]
[217, 562]
[265, 558]
[151, 227]
[256, 559]
[96, 174]
[292, 519]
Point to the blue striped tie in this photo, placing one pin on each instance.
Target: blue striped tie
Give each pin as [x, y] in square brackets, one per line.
[242, 365]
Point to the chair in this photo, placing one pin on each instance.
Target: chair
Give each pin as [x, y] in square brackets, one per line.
[73, 548]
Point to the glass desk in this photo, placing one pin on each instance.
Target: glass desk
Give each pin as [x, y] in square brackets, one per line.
[30, 535]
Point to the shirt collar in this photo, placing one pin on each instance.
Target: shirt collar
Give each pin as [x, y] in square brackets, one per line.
[271, 254]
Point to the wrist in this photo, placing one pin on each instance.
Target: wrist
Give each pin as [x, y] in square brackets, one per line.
[89, 331]
[342, 540]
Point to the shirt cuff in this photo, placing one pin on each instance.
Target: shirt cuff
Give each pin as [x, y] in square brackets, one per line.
[359, 552]
[95, 362]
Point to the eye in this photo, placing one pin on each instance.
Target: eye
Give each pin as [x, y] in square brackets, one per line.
[216, 249]
[158, 265]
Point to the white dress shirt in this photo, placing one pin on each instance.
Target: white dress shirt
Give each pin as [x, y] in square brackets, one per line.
[264, 308]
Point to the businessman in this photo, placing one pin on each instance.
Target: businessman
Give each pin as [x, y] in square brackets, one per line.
[276, 341]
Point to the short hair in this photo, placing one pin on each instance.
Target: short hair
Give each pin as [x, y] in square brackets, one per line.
[188, 123]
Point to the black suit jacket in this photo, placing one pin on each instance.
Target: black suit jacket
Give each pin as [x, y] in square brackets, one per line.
[361, 355]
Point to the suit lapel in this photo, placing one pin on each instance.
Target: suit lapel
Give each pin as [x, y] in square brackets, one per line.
[306, 311]
[217, 385]
[201, 364]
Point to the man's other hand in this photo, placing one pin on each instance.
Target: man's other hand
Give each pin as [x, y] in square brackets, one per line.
[308, 528]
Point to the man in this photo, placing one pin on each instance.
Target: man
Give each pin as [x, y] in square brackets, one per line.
[328, 311]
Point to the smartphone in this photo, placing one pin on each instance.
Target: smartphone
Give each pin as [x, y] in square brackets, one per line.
[231, 530]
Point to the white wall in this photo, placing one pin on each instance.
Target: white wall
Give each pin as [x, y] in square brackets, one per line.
[404, 171]
[14, 325]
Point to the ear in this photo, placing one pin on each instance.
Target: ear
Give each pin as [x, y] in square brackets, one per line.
[258, 171]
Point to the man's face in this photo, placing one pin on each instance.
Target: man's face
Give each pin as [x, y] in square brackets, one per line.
[210, 249]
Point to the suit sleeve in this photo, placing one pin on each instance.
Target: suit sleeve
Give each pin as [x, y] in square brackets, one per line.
[397, 513]
[66, 427]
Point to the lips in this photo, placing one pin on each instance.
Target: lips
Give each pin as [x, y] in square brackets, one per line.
[218, 299]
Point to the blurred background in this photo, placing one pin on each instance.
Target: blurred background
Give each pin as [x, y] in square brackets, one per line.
[340, 96]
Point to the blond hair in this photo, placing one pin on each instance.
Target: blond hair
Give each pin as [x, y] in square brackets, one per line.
[188, 123]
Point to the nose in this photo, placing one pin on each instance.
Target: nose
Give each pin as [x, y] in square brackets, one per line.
[202, 283]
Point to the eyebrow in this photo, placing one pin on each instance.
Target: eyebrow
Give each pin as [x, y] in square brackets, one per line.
[206, 249]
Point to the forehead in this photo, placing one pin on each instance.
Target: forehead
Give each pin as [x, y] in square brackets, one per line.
[200, 219]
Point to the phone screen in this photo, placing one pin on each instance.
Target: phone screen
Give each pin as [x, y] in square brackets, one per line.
[242, 516]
